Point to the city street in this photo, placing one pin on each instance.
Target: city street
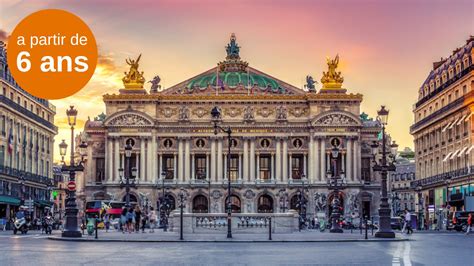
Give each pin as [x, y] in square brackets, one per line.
[424, 249]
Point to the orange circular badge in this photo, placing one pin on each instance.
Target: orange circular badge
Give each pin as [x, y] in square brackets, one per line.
[52, 54]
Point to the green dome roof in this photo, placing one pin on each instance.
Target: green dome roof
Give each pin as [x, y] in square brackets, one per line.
[232, 79]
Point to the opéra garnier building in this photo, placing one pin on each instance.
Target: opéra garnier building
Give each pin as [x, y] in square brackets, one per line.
[281, 141]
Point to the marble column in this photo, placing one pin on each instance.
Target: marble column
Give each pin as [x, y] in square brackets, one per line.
[285, 160]
[108, 154]
[273, 166]
[240, 167]
[193, 167]
[160, 166]
[142, 160]
[305, 163]
[314, 164]
[180, 159]
[116, 159]
[187, 159]
[349, 159]
[245, 155]
[154, 161]
[356, 161]
[290, 175]
[258, 167]
[311, 156]
[208, 163]
[220, 171]
[252, 160]
[278, 161]
[213, 159]
[323, 160]
[224, 173]
[175, 165]
[149, 161]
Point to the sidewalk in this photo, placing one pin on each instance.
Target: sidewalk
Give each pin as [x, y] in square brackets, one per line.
[160, 236]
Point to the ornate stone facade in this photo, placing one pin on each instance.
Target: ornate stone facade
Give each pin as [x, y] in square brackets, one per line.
[281, 143]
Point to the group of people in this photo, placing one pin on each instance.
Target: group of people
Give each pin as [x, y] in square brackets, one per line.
[134, 219]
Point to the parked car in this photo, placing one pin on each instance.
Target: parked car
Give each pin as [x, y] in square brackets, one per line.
[396, 223]
[459, 220]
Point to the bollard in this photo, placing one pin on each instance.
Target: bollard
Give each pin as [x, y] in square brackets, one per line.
[270, 229]
[366, 226]
[96, 228]
[372, 225]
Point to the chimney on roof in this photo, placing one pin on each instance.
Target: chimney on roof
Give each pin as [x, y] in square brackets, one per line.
[438, 63]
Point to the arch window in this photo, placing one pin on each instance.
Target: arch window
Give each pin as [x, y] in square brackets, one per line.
[200, 204]
[265, 204]
[235, 205]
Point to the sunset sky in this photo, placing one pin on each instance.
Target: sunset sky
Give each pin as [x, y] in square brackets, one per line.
[386, 47]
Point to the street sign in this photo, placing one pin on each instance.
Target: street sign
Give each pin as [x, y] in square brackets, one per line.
[71, 185]
[29, 204]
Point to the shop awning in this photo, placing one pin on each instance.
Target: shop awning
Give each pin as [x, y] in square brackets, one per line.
[43, 203]
[446, 127]
[461, 153]
[454, 154]
[9, 200]
[447, 157]
[462, 119]
[454, 123]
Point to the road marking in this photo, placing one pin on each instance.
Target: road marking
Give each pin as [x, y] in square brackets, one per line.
[406, 254]
[396, 255]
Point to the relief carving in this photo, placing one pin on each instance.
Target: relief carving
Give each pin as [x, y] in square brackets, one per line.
[265, 112]
[129, 120]
[336, 120]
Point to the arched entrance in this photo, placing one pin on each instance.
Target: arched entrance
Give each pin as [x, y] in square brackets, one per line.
[235, 204]
[200, 204]
[133, 199]
[331, 196]
[265, 204]
[298, 203]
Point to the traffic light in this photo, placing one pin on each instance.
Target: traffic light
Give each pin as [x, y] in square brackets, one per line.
[55, 195]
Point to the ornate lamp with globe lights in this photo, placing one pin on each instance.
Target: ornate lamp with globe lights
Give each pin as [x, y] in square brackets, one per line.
[385, 230]
[71, 228]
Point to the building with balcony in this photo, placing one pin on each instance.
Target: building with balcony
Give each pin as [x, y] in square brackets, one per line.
[26, 145]
[282, 137]
[443, 133]
[401, 193]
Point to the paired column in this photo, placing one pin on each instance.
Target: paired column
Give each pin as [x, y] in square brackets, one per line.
[180, 159]
[219, 173]
[290, 174]
[116, 159]
[154, 161]
[187, 159]
[149, 161]
[315, 163]
[252, 160]
[142, 160]
[108, 154]
[355, 172]
[349, 159]
[213, 159]
[285, 159]
[323, 159]
[277, 174]
[311, 155]
[245, 168]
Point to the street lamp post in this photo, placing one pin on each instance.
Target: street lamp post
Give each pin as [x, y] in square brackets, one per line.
[336, 182]
[71, 228]
[216, 116]
[182, 202]
[385, 230]
[130, 173]
[164, 204]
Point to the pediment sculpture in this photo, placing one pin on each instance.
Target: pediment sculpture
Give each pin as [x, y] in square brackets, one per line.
[184, 113]
[249, 114]
[281, 113]
[336, 120]
[129, 120]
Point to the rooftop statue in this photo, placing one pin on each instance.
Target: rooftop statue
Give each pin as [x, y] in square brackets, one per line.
[133, 79]
[310, 83]
[332, 78]
[232, 48]
[155, 84]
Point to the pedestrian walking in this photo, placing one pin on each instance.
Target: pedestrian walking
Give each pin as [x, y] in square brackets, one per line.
[407, 224]
[130, 220]
[153, 219]
[107, 222]
[469, 223]
[123, 220]
[144, 220]
[138, 214]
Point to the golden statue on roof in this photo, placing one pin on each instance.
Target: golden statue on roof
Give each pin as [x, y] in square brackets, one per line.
[332, 79]
[133, 78]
